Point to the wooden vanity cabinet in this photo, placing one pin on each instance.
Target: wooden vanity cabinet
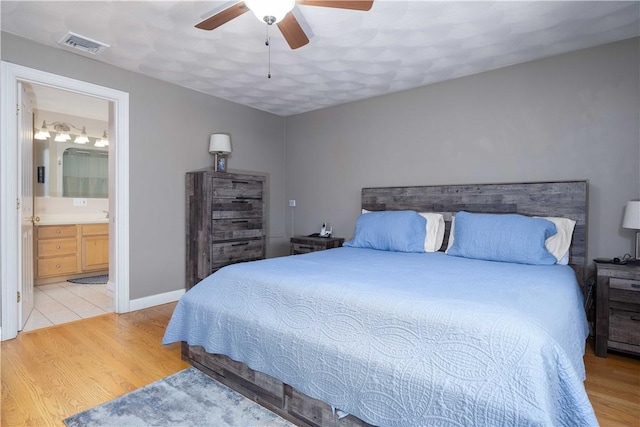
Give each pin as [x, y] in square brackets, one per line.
[95, 247]
[68, 251]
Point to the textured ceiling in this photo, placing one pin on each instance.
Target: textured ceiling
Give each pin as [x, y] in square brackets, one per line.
[352, 55]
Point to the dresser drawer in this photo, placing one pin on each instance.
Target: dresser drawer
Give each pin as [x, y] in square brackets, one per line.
[624, 326]
[236, 208]
[232, 188]
[57, 265]
[232, 252]
[57, 247]
[243, 228]
[55, 231]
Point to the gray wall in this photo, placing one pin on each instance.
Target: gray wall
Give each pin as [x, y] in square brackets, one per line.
[573, 116]
[169, 134]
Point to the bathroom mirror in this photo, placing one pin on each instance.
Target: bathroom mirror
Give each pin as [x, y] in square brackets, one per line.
[70, 170]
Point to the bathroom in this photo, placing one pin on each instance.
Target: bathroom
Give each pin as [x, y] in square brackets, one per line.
[70, 207]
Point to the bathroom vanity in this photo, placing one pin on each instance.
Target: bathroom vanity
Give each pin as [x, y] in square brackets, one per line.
[67, 251]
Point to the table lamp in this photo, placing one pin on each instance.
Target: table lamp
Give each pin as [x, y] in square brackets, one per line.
[632, 220]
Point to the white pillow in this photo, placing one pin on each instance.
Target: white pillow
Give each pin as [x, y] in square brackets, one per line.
[450, 242]
[435, 230]
[558, 244]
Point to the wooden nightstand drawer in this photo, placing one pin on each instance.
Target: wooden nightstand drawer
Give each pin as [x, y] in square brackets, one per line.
[624, 326]
[304, 245]
[626, 284]
[299, 248]
[617, 322]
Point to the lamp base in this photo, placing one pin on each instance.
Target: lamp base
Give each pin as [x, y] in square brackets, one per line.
[220, 162]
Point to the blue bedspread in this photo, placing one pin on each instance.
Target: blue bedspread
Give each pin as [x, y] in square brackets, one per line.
[401, 339]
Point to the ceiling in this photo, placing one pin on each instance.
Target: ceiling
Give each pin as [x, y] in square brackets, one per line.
[352, 55]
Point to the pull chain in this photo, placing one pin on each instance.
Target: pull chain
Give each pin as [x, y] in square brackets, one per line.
[268, 43]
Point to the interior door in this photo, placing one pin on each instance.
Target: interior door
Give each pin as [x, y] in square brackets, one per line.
[25, 173]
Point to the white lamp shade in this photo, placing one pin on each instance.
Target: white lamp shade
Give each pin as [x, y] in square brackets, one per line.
[632, 215]
[276, 8]
[220, 143]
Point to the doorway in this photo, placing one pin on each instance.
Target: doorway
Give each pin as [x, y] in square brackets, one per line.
[10, 187]
[70, 194]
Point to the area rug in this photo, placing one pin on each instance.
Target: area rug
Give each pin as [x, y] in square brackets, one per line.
[93, 280]
[188, 398]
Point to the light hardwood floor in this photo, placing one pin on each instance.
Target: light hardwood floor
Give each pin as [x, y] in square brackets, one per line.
[50, 374]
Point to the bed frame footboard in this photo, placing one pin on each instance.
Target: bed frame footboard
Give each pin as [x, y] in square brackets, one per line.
[267, 391]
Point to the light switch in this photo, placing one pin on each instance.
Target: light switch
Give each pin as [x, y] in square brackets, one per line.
[79, 202]
[292, 203]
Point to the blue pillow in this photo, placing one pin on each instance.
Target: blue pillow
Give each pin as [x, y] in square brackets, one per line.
[399, 231]
[502, 237]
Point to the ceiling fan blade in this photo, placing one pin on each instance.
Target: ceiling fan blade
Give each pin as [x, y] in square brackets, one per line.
[339, 4]
[223, 16]
[292, 31]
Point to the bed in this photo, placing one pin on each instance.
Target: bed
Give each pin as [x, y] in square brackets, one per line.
[360, 336]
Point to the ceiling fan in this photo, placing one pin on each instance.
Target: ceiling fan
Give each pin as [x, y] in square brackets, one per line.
[279, 12]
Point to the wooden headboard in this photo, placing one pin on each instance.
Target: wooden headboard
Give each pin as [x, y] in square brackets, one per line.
[567, 199]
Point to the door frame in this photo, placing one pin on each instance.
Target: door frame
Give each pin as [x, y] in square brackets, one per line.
[10, 75]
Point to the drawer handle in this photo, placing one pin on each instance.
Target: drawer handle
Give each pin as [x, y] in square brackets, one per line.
[635, 285]
[57, 265]
[240, 221]
[57, 246]
[58, 231]
[239, 201]
[635, 317]
[240, 182]
[306, 247]
[240, 244]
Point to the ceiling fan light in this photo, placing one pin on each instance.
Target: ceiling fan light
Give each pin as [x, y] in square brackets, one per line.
[264, 9]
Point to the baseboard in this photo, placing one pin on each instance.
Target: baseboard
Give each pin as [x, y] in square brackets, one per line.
[153, 300]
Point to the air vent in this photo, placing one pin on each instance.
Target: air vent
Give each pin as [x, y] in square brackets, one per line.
[85, 44]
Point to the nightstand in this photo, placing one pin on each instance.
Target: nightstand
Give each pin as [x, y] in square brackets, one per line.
[304, 244]
[617, 308]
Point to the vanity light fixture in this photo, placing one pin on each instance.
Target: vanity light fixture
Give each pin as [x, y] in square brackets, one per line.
[220, 147]
[82, 138]
[42, 133]
[102, 142]
[63, 132]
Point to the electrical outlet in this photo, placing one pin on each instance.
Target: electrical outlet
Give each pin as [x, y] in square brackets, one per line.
[292, 203]
[79, 202]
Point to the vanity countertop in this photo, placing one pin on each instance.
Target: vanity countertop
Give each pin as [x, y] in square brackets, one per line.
[61, 219]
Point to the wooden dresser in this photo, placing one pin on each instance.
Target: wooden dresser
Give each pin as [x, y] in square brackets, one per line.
[225, 221]
[617, 308]
[69, 251]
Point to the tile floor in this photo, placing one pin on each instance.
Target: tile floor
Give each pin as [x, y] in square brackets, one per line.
[65, 302]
